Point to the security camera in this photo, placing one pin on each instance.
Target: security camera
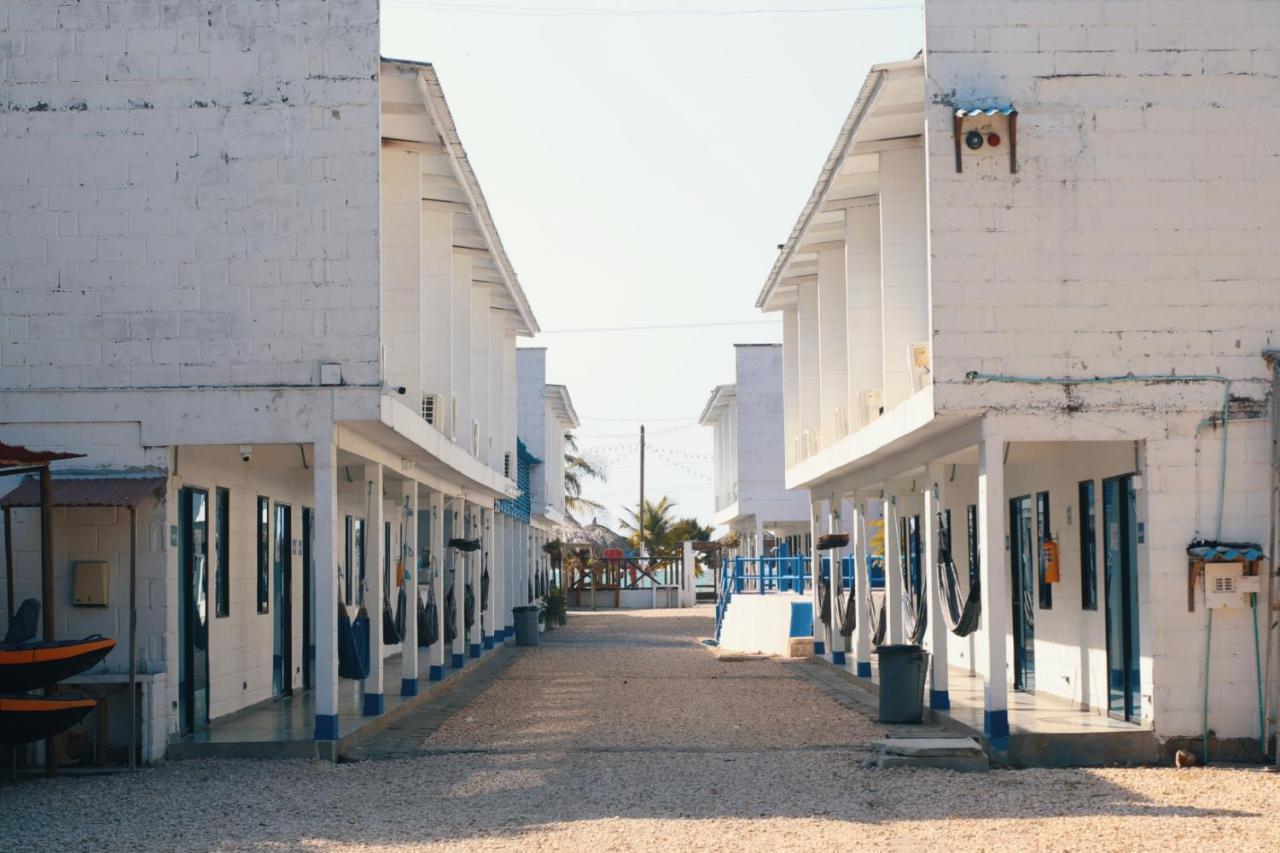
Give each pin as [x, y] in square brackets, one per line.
[400, 389]
[246, 452]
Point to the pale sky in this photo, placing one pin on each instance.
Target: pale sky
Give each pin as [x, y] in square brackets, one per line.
[642, 169]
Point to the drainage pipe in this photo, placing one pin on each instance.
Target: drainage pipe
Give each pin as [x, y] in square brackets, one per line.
[1273, 360]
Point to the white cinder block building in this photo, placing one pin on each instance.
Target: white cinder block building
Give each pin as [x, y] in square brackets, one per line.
[241, 254]
[1028, 301]
[746, 419]
[545, 414]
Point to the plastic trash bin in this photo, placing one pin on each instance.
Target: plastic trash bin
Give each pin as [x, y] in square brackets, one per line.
[902, 672]
[526, 616]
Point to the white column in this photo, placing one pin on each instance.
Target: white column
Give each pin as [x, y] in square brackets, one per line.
[939, 695]
[862, 587]
[474, 559]
[325, 483]
[508, 574]
[757, 543]
[408, 561]
[489, 611]
[838, 522]
[436, 573]
[497, 565]
[374, 685]
[995, 584]
[817, 511]
[458, 564]
[893, 591]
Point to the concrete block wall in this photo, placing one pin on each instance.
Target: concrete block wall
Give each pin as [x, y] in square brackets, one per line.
[760, 448]
[1134, 237]
[188, 193]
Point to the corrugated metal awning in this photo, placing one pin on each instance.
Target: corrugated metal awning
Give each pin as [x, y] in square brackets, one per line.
[16, 456]
[86, 491]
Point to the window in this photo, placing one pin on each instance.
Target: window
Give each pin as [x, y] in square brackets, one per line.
[386, 559]
[1088, 547]
[264, 554]
[358, 540]
[971, 519]
[222, 553]
[1044, 534]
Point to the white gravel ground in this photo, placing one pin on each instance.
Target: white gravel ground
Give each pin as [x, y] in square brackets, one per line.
[560, 754]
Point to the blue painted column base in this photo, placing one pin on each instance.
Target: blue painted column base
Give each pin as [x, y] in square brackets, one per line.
[488, 642]
[508, 632]
[373, 704]
[940, 700]
[819, 647]
[326, 726]
[436, 673]
[864, 669]
[408, 687]
[837, 658]
[498, 635]
[995, 725]
[459, 660]
[475, 650]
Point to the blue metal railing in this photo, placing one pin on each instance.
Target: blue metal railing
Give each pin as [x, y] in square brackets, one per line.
[782, 572]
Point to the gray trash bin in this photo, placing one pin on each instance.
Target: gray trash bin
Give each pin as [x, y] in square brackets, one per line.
[526, 616]
[902, 673]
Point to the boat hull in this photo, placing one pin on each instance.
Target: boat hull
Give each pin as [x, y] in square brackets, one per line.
[29, 666]
[27, 718]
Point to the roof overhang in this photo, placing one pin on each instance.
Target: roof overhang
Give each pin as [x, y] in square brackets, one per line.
[414, 112]
[562, 405]
[721, 397]
[888, 114]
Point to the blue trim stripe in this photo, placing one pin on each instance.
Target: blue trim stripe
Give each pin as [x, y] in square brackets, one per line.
[408, 687]
[819, 647]
[373, 704]
[940, 700]
[436, 673]
[837, 658]
[475, 650]
[864, 669]
[488, 642]
[995, 725]
[459, 660]
[326, 726]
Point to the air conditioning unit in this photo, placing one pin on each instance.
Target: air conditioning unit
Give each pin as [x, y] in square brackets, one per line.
[431, 405]
[871, 402]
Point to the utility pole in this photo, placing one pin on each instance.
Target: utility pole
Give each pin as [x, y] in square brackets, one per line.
[640, 517]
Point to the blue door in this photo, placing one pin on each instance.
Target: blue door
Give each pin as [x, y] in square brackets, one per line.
[1120, 550]
[193, 610]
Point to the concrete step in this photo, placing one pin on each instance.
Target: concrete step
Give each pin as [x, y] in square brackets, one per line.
[948, 753]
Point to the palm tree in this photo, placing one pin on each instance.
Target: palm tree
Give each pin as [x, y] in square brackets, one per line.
[658, 524]
[578, 469]
[689, 530]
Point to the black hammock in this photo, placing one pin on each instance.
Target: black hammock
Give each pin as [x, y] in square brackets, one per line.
[353, 644]
[961, 615]
[913, 589]
[450, 616]
[468, 607]
[876, 617]
[484, 592]
[393, 623]
[846, 616]
[428, 620]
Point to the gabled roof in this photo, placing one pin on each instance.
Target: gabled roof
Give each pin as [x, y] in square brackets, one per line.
[888, 113]
[428, 97]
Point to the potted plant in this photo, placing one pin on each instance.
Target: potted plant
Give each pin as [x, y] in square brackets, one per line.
[554, 610]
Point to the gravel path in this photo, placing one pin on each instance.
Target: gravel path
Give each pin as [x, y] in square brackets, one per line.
[620, 734]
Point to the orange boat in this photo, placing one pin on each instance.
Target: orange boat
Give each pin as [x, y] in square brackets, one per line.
[30, 665]
[25, 718]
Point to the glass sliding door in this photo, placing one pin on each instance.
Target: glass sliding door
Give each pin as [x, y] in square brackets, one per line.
[1022, 564]
[308, 599]
[1120, 567]
[193, 610]
[282, 571]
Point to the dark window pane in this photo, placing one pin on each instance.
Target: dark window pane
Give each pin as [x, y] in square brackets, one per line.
[971, 518]
[348, 552]
[1045, 533]
[1088, 547]
[222, 551]
[264, 555]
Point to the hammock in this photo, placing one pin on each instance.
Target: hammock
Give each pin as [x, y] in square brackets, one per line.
[393, 623]
[465, 545]
[847, 616]
[877, 620]
[917, 614]
[484, 591]
[468, 606]
[353, 644]
[450, 617]
[428, 620]
[961, 616]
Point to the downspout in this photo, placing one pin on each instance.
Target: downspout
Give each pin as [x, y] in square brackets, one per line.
[1273, 361]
